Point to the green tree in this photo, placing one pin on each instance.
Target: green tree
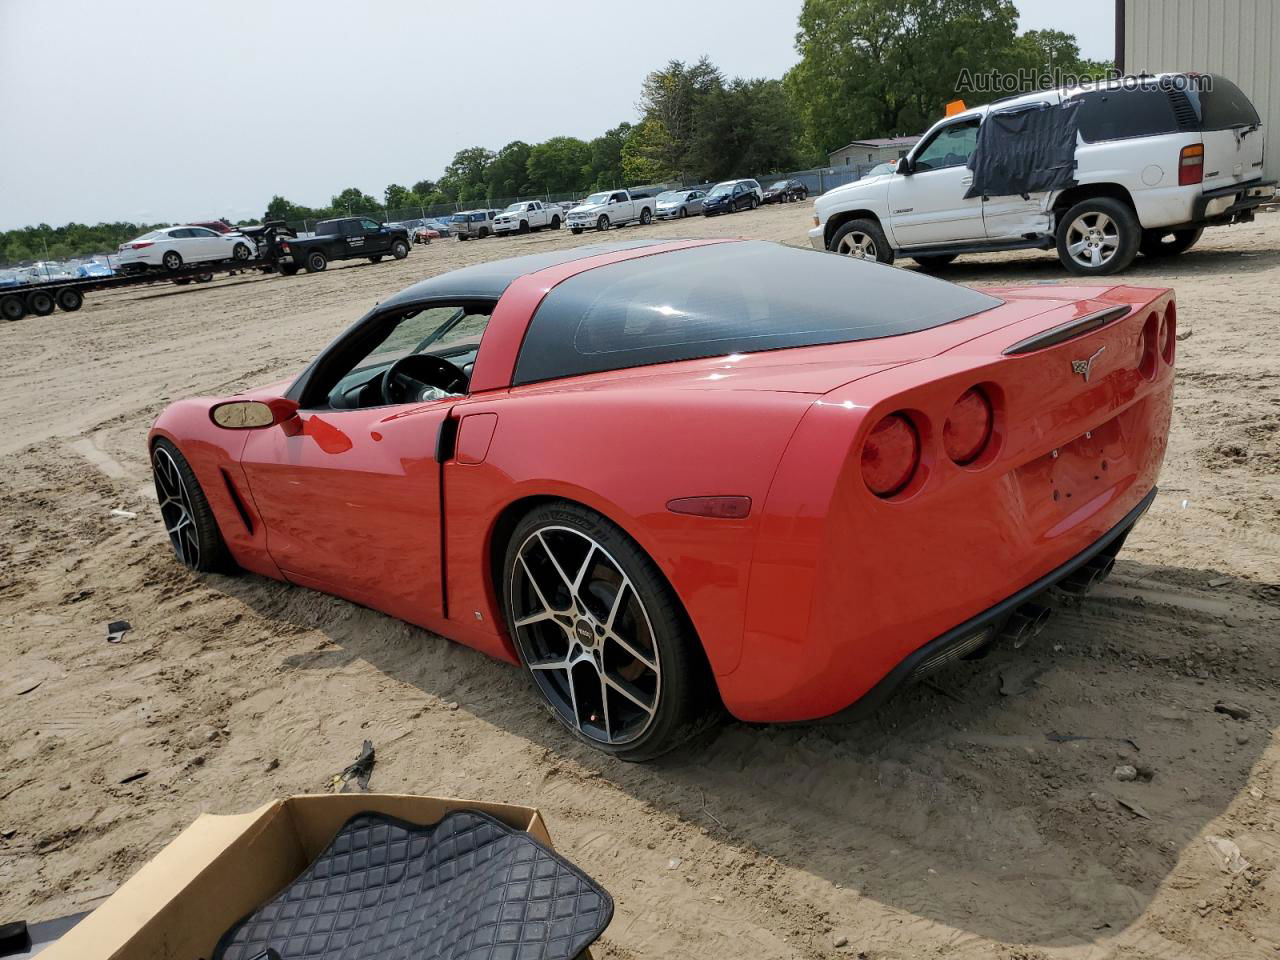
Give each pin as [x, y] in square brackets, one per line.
[506, 172]
[1051, 55]
[466, 176]
[873, 68]
[353, 202]
[645, 143]
[559, 165]
[669, 99]
[424, 188]
[604, 168]
[396, 197]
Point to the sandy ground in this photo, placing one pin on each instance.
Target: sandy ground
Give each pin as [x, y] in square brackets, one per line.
[948, 826]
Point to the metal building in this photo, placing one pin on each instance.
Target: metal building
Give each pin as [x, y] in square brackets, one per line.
[1239, 39]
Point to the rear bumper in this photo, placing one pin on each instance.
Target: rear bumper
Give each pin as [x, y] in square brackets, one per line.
[981, 629]
[1226, 203]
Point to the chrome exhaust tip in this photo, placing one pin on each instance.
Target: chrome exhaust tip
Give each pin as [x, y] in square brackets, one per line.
[1025, 624]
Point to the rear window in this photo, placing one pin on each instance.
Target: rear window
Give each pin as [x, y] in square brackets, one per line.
[728, 298]
[1123, 113]
[1223, 105]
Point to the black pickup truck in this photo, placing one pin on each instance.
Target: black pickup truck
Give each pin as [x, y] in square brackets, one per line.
[347, 238]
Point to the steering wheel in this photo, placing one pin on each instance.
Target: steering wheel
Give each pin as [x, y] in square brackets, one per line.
[404, 380]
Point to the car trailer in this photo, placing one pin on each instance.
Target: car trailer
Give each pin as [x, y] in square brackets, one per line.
[42, 298]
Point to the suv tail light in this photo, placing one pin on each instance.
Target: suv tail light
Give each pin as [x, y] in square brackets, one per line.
[968, 427]
[1191, 165]
[890, 455]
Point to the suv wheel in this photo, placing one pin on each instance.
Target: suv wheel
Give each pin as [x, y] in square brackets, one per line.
[1163, 243]
[1098, 237]
[862, 240]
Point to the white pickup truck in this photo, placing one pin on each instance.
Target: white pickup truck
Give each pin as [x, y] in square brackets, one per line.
[526, 215]
[1152, 161]
[611, 208]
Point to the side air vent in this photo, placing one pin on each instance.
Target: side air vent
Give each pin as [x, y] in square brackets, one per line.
[1183, 110]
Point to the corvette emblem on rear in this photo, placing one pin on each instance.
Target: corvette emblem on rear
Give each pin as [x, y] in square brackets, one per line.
[1085, 367]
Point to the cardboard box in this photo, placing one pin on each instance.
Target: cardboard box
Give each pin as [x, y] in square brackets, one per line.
[222, 868]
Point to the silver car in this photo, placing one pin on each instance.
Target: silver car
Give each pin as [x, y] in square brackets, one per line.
[673, 204]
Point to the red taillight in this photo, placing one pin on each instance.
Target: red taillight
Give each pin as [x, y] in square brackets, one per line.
[1191, 165]
[284, 247]
[139, 246]
[890, 455]
[968, 427]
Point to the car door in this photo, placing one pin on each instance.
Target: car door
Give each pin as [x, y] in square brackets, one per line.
[1016, 215]
[377, 236]
[350, 498]
[205, 244]
[928, 205]
[739, 198]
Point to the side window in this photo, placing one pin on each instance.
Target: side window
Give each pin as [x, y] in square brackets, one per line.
[369, 225]
[201, 232]
[950, 147]
[182, 234]
[1125, 113]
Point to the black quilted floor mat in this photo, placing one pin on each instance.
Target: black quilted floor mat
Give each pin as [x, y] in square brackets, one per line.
[467, 888]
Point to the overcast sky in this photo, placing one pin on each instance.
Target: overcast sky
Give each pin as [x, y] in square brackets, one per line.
[149, 111]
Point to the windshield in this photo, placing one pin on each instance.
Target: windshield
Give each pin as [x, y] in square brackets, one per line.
[720, 190]
[780, 185]
[596, 199]
[513, 207]
[670, 196]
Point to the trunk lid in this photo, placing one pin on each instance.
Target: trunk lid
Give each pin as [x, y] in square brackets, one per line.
[1231, 130]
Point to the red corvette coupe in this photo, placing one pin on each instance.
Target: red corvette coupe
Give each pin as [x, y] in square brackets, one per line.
[665, 475]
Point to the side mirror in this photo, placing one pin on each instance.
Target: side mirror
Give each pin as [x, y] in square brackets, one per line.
[904, 167]
[253, 414]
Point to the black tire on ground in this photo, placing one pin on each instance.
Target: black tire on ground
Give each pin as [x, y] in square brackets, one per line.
[204, 278]
[188, 518]
[399, 249]
[646, 216]
[680, 694]
[864, 235]
[316, 261]
[69, 299]
[484, 232]
[602, 222]
[683, 213]
[40, 303]
[289, 270]
[377, 259]
[241, 251]
[172, 260]
[1114, 220]
[12, 308]
[182, 281]
[935, 262]
[524, 226]
[461, 238]
[575, 230]
[1163, 243]
[555, 223]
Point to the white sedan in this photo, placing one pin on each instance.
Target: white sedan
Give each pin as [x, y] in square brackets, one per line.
[174, 247]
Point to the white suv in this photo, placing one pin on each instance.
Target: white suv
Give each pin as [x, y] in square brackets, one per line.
[1156, 160]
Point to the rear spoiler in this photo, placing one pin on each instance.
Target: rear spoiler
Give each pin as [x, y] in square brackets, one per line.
[1068, 331]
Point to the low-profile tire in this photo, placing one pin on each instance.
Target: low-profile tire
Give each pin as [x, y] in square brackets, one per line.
[12, 308]
[862, 240]
[602, 635]
[1168, 243]
[1098, 237]
[602, 222]
[172, 260]
[377, 259]
[399, 249]
[188, 518]
[316, 261]
[683, 213]
[935, 261]
[241, 251]
[40, 303]
[69, 299]
[646, 216]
